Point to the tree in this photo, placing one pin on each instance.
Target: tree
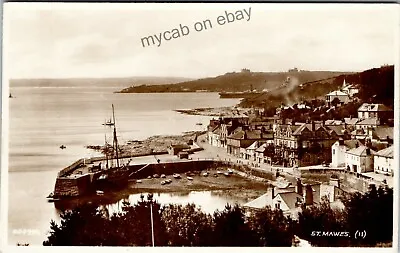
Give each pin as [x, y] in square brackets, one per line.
[187, 225]
[371, 212]
[322, 218]
[231, 229]
[272, 228]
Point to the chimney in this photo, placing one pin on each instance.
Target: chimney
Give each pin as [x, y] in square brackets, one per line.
[273, 192]
[341, 141]
[357, 144]
[309, 195]
[368, 151]
[334, 182]
[299, 187]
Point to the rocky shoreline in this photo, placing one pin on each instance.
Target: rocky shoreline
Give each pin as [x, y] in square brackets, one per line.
[215, 112]
[154, 144]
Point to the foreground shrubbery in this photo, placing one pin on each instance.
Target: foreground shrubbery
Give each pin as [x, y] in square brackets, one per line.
[177, 225]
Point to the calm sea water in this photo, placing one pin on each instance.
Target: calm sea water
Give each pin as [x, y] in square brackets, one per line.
[42, 119]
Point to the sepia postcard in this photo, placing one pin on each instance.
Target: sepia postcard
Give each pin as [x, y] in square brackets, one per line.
[200, 125]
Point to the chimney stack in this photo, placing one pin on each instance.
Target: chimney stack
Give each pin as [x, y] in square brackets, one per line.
[299, 187]
[309, 195]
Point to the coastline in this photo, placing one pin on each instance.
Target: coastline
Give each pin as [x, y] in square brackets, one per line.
[155, 144]
[229, 111]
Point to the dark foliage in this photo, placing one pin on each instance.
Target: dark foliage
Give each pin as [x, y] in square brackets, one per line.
[272, 228]
[177, 225]
[371, 212]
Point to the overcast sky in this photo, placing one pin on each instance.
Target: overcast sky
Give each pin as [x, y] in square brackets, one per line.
[104, 40]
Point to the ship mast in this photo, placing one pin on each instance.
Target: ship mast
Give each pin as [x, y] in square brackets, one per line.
[115, 140]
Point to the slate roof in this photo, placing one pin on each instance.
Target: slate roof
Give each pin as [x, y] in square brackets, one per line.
[351, 121]
[333, 122]
[373, 108]
[387, 152]
[261, 148]
[369, 121]
[217, 130]
[337, 93]
[253, 145]
[383, 132]
[309, 127]
[180, 146]
[339, 130]
[251, 135]
[260, 202]
[360, 151]
[290, 198]
[351, 144]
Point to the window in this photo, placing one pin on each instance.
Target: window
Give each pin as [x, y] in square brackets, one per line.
[278, 205]
[333, 151]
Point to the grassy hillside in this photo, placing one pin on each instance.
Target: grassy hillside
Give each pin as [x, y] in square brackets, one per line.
[98, 82]
[232, 82]
[375, 85]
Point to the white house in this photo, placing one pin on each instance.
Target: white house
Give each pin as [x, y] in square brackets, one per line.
[360, 159]
[366, 111]
[384, 161]
[343, 97]
[349, 89]
[260, 158]
[214, 136]
[368, 123]
[251, 151]
[339, 149]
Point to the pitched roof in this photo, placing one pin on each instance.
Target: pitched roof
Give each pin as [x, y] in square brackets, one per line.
[250, 135]
[309, 127]
[339, 130]
[373, 108]
[383, 133]
[387, 152]
[290, 198]
[217, 130]
[351, 121]
[351, 144]
[369, 121]
[183, 146]
[360, 131]
[360, 151]
[260, 202]
[253, 145]
[337, 93]
[333, 122]
[261, 148]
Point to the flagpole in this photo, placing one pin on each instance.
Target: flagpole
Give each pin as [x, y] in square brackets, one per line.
[152, 225]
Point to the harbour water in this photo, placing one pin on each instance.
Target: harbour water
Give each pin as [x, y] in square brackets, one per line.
[43, 118]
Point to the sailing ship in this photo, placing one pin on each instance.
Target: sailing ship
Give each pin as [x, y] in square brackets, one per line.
[108, 123]
[115, 174]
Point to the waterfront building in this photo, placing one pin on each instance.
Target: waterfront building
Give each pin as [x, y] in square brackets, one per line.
[379, 111]
[174, 149]
[384, 161]
[339, 149]
[304, 144]
[360, 159]
[243, 138]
